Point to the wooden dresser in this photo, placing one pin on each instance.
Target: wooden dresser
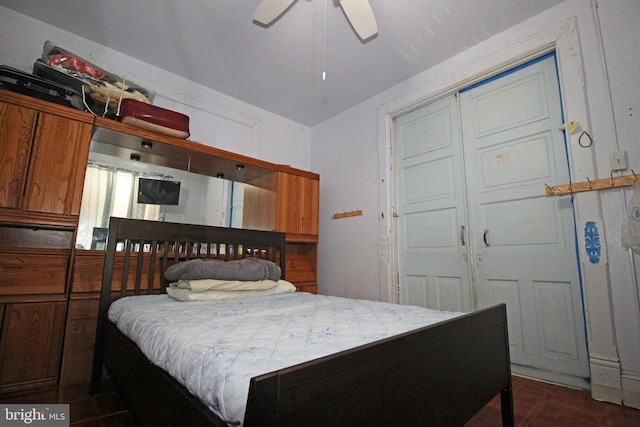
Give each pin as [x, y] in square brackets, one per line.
[48, 289]
[43, 153]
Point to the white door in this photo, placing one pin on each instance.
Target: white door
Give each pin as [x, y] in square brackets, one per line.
[523, 241]
[431, 211]
[519, 245]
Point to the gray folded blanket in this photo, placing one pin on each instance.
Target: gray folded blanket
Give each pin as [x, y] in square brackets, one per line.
[242, 269]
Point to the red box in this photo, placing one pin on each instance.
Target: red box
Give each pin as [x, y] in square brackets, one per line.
[154, 118]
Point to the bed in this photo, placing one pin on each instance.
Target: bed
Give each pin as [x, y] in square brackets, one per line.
[436, 375]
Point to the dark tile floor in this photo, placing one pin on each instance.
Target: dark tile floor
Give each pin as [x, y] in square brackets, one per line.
[536, 404]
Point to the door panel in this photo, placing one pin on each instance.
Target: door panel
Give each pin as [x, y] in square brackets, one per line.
[505, 229]
[516, 162]
[415, 175]
[508, 292]
[430, 230]
[555, 318]
[433, 267]
[498, 106]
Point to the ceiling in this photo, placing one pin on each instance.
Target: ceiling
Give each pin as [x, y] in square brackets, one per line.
[216, 44]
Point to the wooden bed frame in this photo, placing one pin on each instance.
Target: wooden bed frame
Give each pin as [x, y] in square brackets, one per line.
[440, 375]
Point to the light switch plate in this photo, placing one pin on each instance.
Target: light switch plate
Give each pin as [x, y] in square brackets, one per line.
[618, 161]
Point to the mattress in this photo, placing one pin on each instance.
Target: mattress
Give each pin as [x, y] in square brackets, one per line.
[214, 348]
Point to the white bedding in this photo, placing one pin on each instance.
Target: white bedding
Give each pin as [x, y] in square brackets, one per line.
[215, 347]
[210, 289]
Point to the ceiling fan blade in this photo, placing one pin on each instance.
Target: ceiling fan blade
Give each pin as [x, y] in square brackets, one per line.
[269, 10]
[361, 17]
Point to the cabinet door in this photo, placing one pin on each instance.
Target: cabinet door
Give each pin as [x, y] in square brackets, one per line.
[309, 190]
[56, 171]
[16, 132]
[288, 203]
[298, 204]
[31, 343]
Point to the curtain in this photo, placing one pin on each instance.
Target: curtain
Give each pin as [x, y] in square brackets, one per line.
[109, 191]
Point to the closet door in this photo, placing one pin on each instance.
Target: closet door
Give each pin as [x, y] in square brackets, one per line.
[524, 242]
[475, 227]
[433, 261]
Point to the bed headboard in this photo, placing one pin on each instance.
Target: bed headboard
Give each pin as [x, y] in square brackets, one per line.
[138, 252]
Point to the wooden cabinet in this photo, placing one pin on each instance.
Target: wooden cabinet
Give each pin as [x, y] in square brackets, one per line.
[42, 159]
[34, 262]
[297, 215]
[298, 198]
[295, 194]
[43, 154]
[31, 344]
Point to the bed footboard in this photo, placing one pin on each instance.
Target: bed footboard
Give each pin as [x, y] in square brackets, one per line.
[439, 375]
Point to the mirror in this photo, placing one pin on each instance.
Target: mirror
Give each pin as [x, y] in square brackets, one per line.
[113, 185]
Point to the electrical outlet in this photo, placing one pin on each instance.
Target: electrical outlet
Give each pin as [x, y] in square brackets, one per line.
[618, 161]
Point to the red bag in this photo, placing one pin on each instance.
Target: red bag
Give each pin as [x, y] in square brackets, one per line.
[154, 118]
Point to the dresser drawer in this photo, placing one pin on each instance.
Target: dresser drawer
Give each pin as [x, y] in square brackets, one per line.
[299, 269]
[24, 274]
[35, 237]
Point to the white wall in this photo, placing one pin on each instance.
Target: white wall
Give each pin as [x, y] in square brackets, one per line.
[619, 23]
[215, 119]
[352, 154]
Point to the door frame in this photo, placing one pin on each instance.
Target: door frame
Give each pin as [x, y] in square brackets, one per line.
[469, 68]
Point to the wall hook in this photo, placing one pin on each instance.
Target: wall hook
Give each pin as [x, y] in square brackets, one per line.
[347, 214]
[588, 185]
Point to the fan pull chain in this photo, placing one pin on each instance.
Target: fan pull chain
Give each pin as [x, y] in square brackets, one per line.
[324, 41]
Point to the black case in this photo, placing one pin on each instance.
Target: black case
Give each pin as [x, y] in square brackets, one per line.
[31, 85]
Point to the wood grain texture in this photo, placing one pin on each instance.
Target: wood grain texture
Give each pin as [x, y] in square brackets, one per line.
[17, 126]
[58, 161]
[31, 344]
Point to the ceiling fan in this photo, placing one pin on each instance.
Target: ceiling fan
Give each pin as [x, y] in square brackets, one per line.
[358, 13]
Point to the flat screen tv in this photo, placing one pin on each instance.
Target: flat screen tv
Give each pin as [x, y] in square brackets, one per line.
[158, 192]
